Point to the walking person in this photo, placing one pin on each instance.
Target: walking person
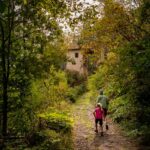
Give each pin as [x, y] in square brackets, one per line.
[103, 100]
[99, 115]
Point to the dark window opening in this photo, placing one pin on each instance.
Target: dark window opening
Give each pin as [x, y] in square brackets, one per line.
[76, 55]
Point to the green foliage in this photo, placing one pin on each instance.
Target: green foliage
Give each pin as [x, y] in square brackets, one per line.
[77, 85]
[57, 121]
[51, 131]
[42, 94]
[74, 78]
[97, 80]
[132, 83]
[51, 90]
[122, 110]
[24, 120]
[49, 139]
[125, 74]
[74, 92]
[55, 53]
[29, 31]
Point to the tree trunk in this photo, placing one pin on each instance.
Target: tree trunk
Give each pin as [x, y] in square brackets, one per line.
[4, 82]
[5, 105]
[5, 54]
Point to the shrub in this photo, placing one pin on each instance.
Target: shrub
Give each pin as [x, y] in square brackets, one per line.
[75, 92]
[74, 78]
[60, 122]
[50, 139]
[54, 132]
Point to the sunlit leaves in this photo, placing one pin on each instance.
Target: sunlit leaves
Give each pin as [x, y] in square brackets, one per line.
[25, 2]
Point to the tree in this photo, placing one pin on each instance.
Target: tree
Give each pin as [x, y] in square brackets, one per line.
[125, 73]
[26, 26]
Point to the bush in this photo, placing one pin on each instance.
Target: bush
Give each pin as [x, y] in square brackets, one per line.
[75, 92]
[58, 131]
[74, 78]
[50, 91]
[50, 139]
[54, 132]
[57, 121]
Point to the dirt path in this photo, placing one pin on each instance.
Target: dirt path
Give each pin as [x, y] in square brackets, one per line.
[86, 139]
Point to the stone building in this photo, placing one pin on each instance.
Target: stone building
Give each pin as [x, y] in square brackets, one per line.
[75, 59]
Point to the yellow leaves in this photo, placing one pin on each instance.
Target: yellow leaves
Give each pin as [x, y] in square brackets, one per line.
[25, 2]
[112, 58]
[63, 86]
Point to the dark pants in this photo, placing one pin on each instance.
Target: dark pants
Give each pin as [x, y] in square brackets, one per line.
[100, 121]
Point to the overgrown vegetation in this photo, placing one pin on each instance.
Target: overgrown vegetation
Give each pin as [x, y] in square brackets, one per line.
[123, 34]
[36, 91]
[77, 84]
[32, 59]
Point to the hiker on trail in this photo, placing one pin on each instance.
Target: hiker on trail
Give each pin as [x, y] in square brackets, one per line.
[103, 100]
[98, 114]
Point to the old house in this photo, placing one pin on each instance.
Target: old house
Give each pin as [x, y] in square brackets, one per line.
[75, 59]
[81, 63]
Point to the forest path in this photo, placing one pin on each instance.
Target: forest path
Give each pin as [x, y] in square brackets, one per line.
[84, 136]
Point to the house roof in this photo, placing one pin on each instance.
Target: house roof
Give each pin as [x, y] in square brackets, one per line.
[73, 46]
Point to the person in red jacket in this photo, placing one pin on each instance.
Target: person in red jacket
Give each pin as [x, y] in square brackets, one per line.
[99, 115]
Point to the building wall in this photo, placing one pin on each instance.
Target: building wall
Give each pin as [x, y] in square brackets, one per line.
[78, 61]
